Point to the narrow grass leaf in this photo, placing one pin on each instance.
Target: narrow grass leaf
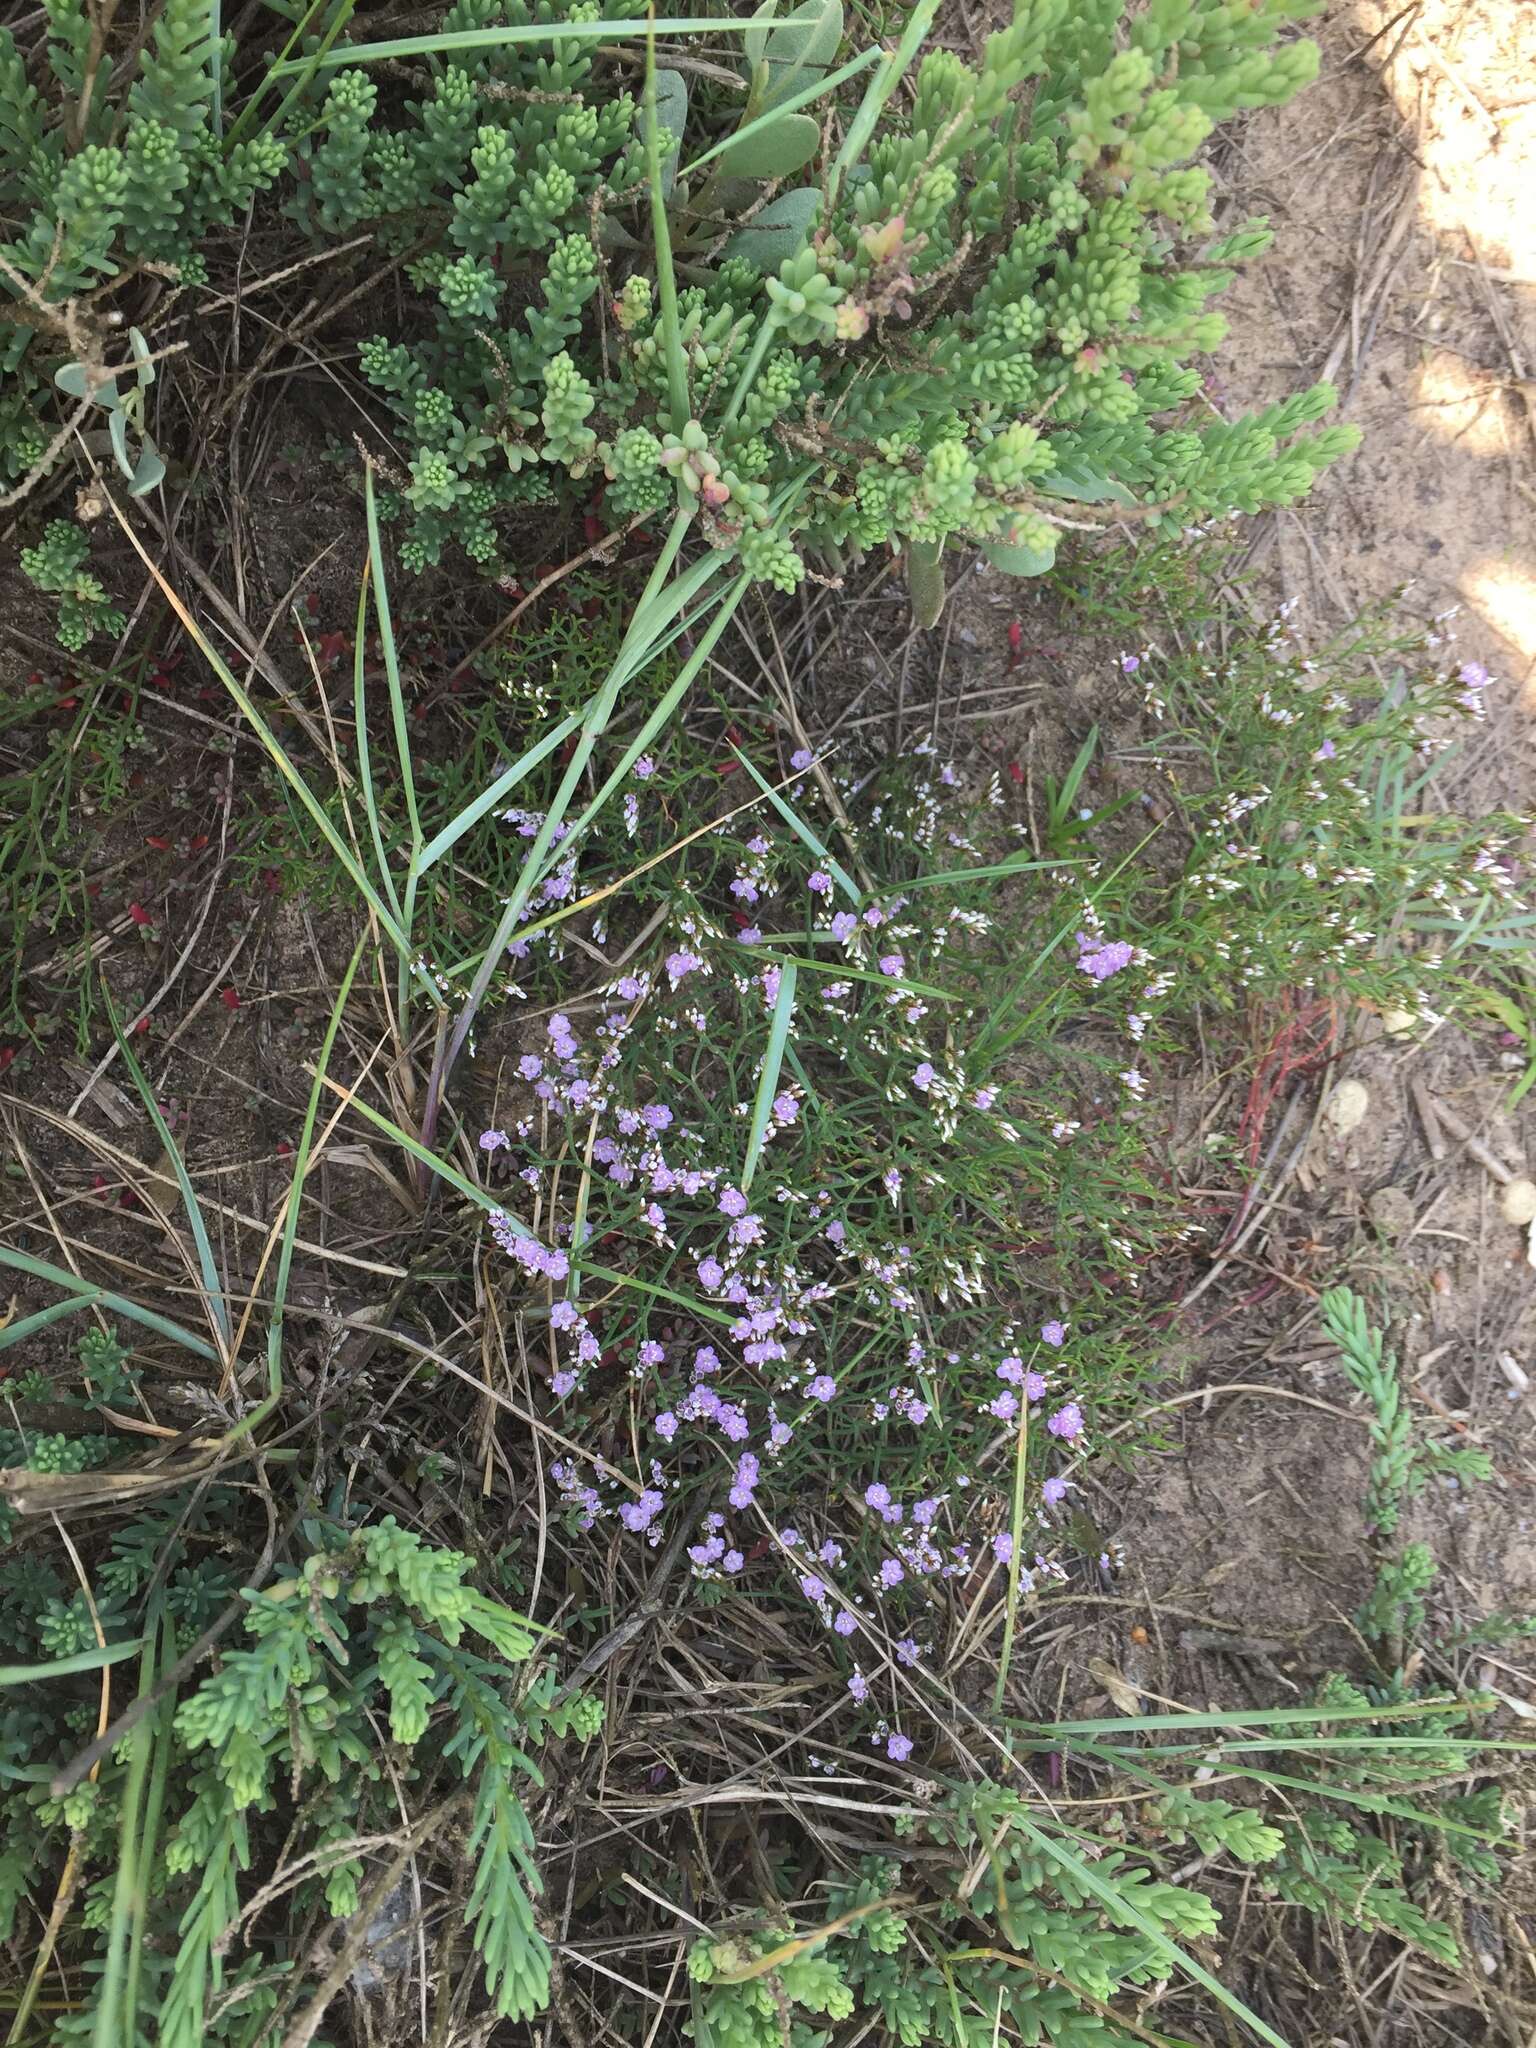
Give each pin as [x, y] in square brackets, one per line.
[65, 1667]
[86, 1294]
[365, 750]
[441, 842]
[773, 1066]
[804, 832]
[278, 753]
[1123, 1909]
[661, 233]
[792, 105]
[407, 49]
[296, 1187]
[214, 1304]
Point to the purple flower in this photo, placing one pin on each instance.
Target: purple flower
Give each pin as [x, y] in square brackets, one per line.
[1002, 1547]
[858, 1685]
[711, 1273]
[844, 925]
[733, 1561]
[923, 1076]
[1034, 1386]
[564, 1315]
[907, 1651]
[562, 1383]
[1053, 1490]
[785, 1108]
[1129, 663]
[801, 759]
[493, 1141]
[750, 935]
[680, 965]
[892, 963]
[656, 1116]
[651, 1353]
[818, 883]
[812, 1587]
[877, 1496]
[822, 1388]
[984, 1097]
[732, 1202]
[639, 1514]
[1100, 958]
[1003, 1406]
[665, 1425]
[845, 1623]
[1054, 1334]
[530, 1066]
[836, 1231]
[645, 768]
[1012, 1370]
[898, 1747]
[890, 1180]
[891, 1573]
[1325, 752]
[744, 890]
[1067, 1422]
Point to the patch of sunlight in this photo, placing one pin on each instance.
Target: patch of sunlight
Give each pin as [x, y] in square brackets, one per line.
[1504, 593]
[1456, 401]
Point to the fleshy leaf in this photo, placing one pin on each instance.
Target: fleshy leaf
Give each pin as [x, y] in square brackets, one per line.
[782, 228]
[774, 152]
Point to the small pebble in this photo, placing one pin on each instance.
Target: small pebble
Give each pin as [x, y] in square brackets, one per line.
[1517, 1204]
[1346, 1107]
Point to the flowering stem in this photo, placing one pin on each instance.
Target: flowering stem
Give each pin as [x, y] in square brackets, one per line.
[1021, 1460]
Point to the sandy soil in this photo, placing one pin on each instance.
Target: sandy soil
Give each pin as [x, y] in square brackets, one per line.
[1402, 189]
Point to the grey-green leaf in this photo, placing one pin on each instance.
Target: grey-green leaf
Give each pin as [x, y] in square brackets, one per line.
[781, 229]
[925, 582]
[672, 114]
[1087, 484]
[804, 43]
[1019, 561]
[773, 152]
[148, 471]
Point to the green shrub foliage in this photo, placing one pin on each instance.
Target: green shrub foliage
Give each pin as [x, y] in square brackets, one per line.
[965, 313]
[374, 1665]
[985, 318]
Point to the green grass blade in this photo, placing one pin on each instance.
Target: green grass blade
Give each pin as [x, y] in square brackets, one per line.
[28, 1326]
[773, 1066]
[454, 41]
[1122, 1909]
[154, 1807]
[391, 654]
[115, 2023]
[86, 1293]
[944, 878]
[661, 234]
[279, 756]
[365, 750]
[881, 86]
[213, 1287]
[64, 1667]
[792, 105]
[841, 971]
[441, 842]
[1260, 1717]
[296, 1187]
[303, 68]
[662, 714]
[804, 833]
[486, 1201]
